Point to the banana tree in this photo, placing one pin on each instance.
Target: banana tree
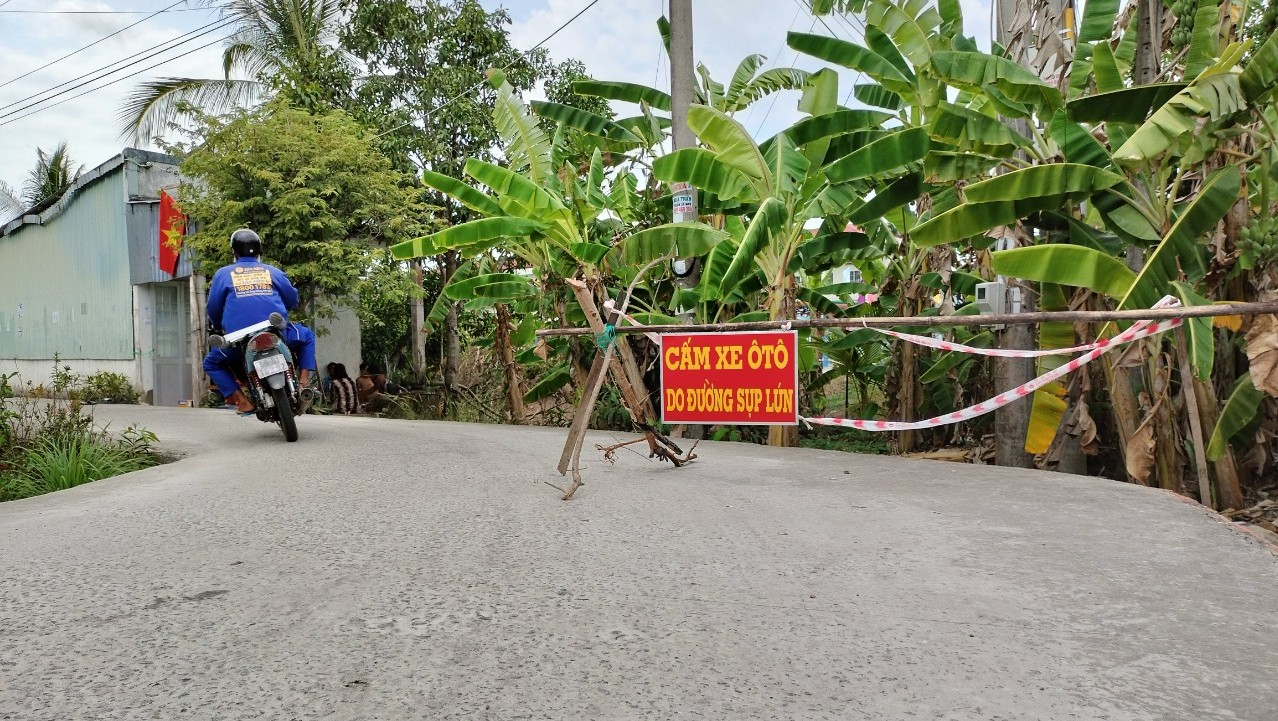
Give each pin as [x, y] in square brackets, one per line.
[547, 221]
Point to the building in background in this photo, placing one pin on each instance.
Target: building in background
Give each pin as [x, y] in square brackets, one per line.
[88, 279]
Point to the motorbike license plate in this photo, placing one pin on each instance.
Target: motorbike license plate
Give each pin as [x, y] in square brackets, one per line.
[270, 365]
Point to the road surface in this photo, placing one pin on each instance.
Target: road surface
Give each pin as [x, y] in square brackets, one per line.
[413, 570]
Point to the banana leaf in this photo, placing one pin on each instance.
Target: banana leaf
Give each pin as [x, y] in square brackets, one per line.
[549, 383]
[975, 71]
[851, 56]
[1131, 105]
[1238, 413]
[894, 151]
[905, 189]
[1098, 20]
[836, 123]
[585, 121]
[1061, 264]
[949, 360]
[511, 187]
[880, 43]
[1204, 41]
[691, 240]
[1054, 179]
[1261, 73]
[1078, 145]
[732, 143]
[462, 193]
[1198, 332]
[910, 24]
[765, 229]
[625, 92]
[975, 132]
[768, 82]
[1214, 93]
[492, 286]
[465, 236]
[941, 166]
[1180, 250]
[526, 145]
[877, 96]
[704, 170]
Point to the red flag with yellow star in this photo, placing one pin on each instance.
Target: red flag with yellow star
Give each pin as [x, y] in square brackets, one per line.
[172, 228]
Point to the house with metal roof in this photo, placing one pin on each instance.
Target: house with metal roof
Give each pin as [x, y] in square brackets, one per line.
[85, 277]
[80, 278]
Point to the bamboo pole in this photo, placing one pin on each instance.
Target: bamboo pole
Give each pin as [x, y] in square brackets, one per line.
[1075, 316]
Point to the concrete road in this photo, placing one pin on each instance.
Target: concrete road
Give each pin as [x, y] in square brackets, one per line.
[395, 570]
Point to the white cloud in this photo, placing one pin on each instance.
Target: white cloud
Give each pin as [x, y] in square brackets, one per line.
[617, 39]
[87, 123]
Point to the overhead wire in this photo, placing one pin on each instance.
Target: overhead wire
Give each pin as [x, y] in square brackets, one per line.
[95, 42]
[113, 82]
[99, 12]
[776, 95]
[431, 113]
[105, 70]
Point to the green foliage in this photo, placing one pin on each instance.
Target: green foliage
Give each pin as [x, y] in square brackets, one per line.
[314, 186]
[56, 464]
[107, 387]
[48, 441]
[53, 173]
[282, 47]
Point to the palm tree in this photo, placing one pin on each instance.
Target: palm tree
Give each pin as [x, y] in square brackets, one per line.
[275, 44]
[10, 202]
[52, 175]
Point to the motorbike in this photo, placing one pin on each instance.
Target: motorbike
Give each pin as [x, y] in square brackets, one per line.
[269, 372]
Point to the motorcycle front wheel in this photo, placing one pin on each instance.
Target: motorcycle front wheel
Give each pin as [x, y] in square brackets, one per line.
[284, 410]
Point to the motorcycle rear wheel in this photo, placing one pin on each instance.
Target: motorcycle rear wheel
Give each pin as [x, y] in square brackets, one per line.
[284, 410]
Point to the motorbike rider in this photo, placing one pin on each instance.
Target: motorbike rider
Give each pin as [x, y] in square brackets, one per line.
[245, 293]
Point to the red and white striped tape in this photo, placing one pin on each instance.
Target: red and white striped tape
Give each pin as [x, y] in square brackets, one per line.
[1137, 331]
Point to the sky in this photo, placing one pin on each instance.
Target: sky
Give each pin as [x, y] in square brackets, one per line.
[616, 39]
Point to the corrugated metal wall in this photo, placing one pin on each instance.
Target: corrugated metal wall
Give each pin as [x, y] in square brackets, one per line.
[64, 286]
[143, 222]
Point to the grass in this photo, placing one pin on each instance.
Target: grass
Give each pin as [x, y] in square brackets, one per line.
[48, 441]
[56, 464]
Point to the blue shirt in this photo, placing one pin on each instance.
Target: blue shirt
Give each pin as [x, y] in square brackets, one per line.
[247, 293]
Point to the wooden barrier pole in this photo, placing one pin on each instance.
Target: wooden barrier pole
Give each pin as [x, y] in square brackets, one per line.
[1072, 316]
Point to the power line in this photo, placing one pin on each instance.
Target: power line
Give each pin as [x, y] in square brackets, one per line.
[480, 84]
[198, 32]
[95, 42]
[776, 95]
[104, 72]
[113, 82]
[100, 12]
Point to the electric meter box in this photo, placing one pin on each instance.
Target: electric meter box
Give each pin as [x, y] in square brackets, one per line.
[991, 298]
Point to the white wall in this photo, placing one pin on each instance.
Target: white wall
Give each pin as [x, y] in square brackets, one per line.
[338, 341]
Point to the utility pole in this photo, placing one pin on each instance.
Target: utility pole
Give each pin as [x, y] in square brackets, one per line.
[1016, 32]
[682, 95]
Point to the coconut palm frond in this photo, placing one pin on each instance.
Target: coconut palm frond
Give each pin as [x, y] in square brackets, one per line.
[153, 106]
[53, 173]
[247, 57]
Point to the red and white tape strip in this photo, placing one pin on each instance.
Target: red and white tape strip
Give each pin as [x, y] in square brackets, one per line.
[1143, 329]
[931, 342]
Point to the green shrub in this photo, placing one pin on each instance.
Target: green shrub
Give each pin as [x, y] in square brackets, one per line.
[107, 387]
[56, 464]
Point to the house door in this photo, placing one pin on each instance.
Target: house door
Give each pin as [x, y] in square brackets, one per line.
[172, 344]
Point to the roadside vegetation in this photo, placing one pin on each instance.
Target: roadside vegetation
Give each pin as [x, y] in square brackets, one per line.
[49, 441]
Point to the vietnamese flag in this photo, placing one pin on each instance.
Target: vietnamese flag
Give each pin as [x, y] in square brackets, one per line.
[172, 228]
